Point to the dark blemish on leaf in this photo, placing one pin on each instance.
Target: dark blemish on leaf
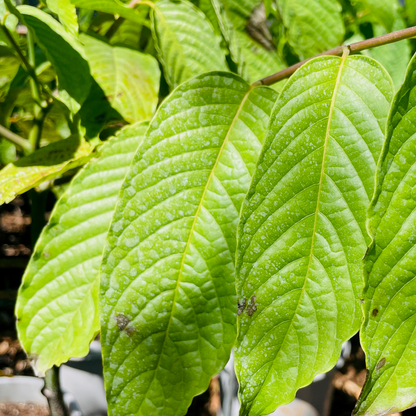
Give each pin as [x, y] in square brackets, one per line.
[252, 307]
[361, 301]
[119, 94]
[241, 306]
[122, 321]
[374, 312]
[123, 324]
[130, 330]
[381, 363]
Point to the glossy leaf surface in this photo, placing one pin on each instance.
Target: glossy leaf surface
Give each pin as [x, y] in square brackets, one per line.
[185, 41]
[44, 164]
[63, 50]
[302, 234]
[66, 12]
[129, 79]
[168, 287]
[388, 333]
[57, 306]
[314, 26]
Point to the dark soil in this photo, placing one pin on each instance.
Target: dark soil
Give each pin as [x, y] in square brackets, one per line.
[23, 409]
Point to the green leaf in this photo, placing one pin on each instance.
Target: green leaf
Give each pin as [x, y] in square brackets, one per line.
[57, 306]
[114, 7]
[167, 282]
[9, 65]
[388, 333]
[10, 21]
[66, 12]
[239, 11]
[128, 35]
[7, 151]
[63, 50]
[395, 56]
[130, 79]
[383, 11]
[185, 41]
[410, 11]
[302, 233]
[223, 27]
[260, 62]
[314, 26]
[44, 164]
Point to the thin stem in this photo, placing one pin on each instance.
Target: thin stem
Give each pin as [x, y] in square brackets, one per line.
[52, 391]
[41, 108]
[16, 139]
[353, 48]
[34, 82]
[35, 133]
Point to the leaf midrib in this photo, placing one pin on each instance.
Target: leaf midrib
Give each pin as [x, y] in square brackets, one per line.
[191, 232]
[317, 211]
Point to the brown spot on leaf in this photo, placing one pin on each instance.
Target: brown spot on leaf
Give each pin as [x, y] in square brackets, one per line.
[361, 301]
[374, 312]
[122, 321]
[130, 330]
[251, 307]
[381, 363]
[241, 306]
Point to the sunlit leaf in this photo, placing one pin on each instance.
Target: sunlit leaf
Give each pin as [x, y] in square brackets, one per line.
[44, 164]
[63, 50]
[388, 333]
[168, 289]
[302, 233]
[114, 7]
[314, 26]
[259, 62]
[394, 57]
[129, 79]
[185, 41]
[57, 306]
[66, 12]
[384, 11]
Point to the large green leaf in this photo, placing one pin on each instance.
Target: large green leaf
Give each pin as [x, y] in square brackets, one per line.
[130, 79]
[383, 11]
[63, 50]
[239, 11]
[114, 7]
[168, 288]
[66, 12]
[302, 234]
[314, 26]
[223, 27]
[185, 41]
[57, 306]
[44, 164]
[259, 62]
[388, 333]
[395, 56]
